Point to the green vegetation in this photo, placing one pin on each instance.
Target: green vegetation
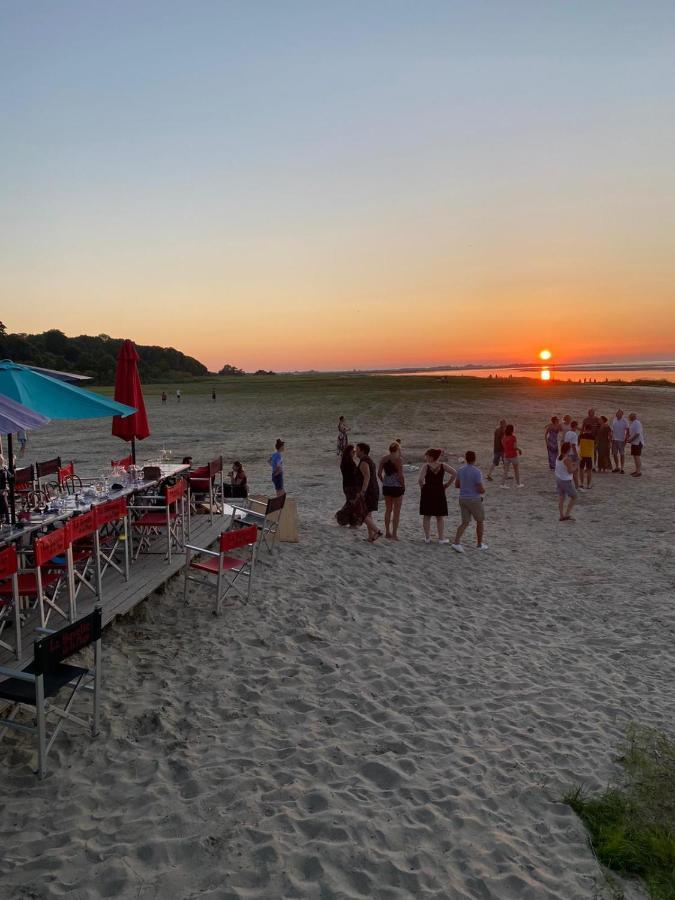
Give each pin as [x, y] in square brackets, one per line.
[95, 356]
[632, 826]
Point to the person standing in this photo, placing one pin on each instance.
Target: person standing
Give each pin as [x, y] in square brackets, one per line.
[571, 437]
[512, 454]
[433, 498]
[636, 439]
[163, 396]
[213, 394]
[551, 434]
[23, 440]
[368, 489]
[591, 424]
[471, 489]
[390, 473]
[497, 449]
[586, 454]
[620, 430]
[178, 394]
[565, 470]
[604, 440]
[342, 439]
[348, 468]
[276, 460]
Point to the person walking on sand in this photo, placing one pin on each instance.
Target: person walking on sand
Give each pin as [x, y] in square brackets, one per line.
[636, 439]
[368, 489]
[571, 437]
[390, 473]
[433, 498]
[586, 454]
[565, 470]
[178, 395]
[342, 439]
[497, 448]
[512, 453]
[276, 460]
[163, 396]
[604, 441]
[471, 489]
[551, 435]
[620, 429]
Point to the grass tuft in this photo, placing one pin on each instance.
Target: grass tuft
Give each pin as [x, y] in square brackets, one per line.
[632, 826]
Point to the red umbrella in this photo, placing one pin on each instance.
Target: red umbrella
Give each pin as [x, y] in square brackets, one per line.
[128, 390]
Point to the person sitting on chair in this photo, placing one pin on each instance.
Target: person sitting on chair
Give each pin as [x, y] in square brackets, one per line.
[238, 486]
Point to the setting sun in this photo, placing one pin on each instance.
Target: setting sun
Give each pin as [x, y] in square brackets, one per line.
[545, 354]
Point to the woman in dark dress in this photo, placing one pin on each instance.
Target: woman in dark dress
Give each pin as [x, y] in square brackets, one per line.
[604, 442]
[433, 501]
[238, 486]
[390, 473]
[349, 468]
[368, 489]
[552, 435]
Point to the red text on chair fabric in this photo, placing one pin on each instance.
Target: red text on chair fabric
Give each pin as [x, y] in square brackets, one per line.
[110, 511]
[50, 545]
[242, 537]
[174, 492]
[82, 526]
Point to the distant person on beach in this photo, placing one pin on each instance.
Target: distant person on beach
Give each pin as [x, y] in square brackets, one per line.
[238, 486]
[551, 434]
[276, 460]
[512, 453]
[178, 395]
[636, 439]
[163, 396]
[368, 489]
[571, 437]
[471, 489]
[433, 498]
[342, 439]
[23, 440]
[586, 455]
[603, 443]
[497, 448]
[213, 394]
[565, 470]
[620, 429]
[390, 473]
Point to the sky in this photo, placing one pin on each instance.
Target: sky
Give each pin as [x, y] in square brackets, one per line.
[296, 185]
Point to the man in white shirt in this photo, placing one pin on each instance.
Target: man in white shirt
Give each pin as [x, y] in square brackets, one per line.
[620, 430]
[636, 439]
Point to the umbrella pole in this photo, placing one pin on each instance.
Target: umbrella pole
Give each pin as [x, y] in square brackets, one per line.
[10, 469]
[133, 451]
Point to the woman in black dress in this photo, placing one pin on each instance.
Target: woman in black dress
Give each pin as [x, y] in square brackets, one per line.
[368, 489]
[349, 468]
[390, 473]
[433, 502]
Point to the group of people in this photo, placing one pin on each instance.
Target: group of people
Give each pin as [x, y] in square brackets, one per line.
[361, 480]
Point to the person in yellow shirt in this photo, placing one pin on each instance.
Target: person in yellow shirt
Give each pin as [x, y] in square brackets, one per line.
[586, 454]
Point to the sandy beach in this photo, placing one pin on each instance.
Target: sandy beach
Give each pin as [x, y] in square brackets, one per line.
[390, 721]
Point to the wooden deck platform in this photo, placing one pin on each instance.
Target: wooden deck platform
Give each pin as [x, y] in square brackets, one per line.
[148, 573]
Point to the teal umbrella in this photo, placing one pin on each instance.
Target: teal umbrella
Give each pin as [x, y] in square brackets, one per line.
[53, 398]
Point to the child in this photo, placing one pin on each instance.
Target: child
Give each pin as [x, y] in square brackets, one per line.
[571, 437]
[276, 460]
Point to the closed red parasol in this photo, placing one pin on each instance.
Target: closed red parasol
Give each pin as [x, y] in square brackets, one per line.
[128, 390]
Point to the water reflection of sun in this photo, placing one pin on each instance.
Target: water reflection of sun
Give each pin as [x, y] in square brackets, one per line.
[545, 375]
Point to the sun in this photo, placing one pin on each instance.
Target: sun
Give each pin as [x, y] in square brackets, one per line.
[545, 354]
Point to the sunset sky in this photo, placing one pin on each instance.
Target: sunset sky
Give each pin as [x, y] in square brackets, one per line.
[340, 184]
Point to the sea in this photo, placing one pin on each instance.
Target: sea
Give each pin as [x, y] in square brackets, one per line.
[657, 371]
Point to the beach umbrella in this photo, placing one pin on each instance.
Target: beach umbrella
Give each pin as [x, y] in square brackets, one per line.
[15, 417]
[53, 398]
[128, 390]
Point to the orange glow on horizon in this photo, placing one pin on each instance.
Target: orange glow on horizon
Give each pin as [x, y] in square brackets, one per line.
[545, 375]
[545, 354]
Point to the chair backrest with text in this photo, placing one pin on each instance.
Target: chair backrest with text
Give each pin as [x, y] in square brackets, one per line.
[49, 467]
[50, 651]
[240, 537]
[47, 546]
[81, 527]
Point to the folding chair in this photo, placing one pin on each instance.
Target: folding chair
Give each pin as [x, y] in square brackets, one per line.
[47, 675]
[9, 566]
[43, 469]
[82, 556]
[228, 569]
[41, 582]
[169, 516]
[123, 463]
[111, 535]
[24, 481]
[67, 480]
[266, 522]
[207, 482]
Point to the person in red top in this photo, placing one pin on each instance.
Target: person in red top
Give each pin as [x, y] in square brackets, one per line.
[511, 456]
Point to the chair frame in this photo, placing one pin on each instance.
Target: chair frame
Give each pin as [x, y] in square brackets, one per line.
[267, 526]
[108, 514]
[9, 567]
[49, 652]
[209, 473]
[174, 495]
[241, 538]
[48, 467]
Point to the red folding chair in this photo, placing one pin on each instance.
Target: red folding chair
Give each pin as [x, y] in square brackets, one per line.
[24, 481]
[123, 463]
[206, 485]
[67, 480]
[111, 536]
[82, 558]
[41, 582]
[168, 518]
[226, 567]
[9, 566]
[44, 469]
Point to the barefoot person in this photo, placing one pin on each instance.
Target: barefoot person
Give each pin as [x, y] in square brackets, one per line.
[497, 449]
[276, 460]
[512, 454]
[368, 489]
[551, 435]
[636, 439]
[433, 499]
[620, 430]
[390, 473]
[471, 489]
[565, 469]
